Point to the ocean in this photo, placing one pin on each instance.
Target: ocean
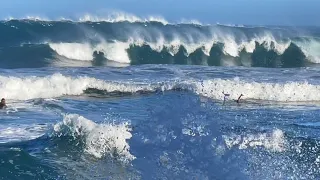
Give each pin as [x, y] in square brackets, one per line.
[143, 99]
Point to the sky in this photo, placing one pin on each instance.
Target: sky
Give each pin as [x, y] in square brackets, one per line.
[247, 12]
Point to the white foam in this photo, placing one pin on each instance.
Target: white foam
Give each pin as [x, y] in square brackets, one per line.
[205, 43]
[233, 48]
[100, 139]
[310, 48]
[274, 142]
[17, 133]
[58, 85]
[271, 43]
[288, 91]
[116, 51]
[75, 51]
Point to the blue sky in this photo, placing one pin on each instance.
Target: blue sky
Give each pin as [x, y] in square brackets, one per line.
[258, 12]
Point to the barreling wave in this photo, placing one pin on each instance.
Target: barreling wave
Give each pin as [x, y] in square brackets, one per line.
[45, 43]
[58, 85]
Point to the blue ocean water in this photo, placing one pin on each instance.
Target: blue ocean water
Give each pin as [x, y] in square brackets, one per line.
[100, 110]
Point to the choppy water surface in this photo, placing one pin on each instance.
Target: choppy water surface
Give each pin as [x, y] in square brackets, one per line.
[159, 122]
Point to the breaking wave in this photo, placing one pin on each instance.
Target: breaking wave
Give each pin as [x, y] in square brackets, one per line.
[99, 140]
[57, 85]
[289, 91]
[128, 39]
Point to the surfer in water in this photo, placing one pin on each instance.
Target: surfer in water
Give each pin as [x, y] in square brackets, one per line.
[238, 100]
[227, 95]
[3, 104]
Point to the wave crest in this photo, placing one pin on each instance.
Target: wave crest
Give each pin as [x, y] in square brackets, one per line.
[157, 42]
[100, 139]
[57, 85]
[136, 50]
[119, 16]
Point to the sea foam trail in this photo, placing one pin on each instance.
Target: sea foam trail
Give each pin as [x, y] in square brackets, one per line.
[100, 139]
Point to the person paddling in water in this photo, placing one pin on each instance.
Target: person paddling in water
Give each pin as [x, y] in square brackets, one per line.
[238, 100]
[227, 95]
[3, 103]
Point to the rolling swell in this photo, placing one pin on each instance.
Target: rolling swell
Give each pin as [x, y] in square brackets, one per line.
[31, 43]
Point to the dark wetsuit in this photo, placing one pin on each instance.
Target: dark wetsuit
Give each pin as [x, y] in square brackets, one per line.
[2, 106]
[238, 100]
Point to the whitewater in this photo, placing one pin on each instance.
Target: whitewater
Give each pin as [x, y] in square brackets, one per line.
[128, 97]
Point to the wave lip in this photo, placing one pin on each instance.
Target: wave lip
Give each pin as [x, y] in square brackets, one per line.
[100, 139]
